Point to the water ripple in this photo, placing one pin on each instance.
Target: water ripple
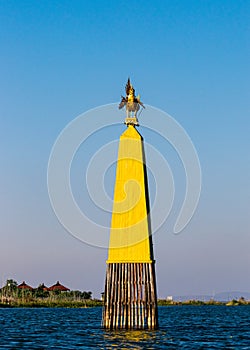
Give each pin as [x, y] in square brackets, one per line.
[181, 327]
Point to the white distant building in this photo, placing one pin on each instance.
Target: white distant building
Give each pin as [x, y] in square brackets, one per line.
[169, 298]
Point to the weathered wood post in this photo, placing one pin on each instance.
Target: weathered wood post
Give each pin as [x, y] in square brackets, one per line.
[130, 299]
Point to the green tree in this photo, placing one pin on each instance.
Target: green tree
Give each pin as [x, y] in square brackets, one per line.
[11, 285]
[39, 292]
[10, 289]
[86, 295]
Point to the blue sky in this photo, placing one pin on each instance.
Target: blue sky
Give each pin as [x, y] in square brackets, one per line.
[189, 58]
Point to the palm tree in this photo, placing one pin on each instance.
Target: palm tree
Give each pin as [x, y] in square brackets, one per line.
[9, 290]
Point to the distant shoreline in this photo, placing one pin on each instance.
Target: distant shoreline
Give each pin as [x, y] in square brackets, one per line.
[40, 303]
[233, 302]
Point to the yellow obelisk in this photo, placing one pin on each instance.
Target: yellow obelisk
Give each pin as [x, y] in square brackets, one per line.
[130, 288]
[129, 234]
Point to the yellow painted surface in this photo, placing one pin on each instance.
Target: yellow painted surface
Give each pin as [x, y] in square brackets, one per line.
[129, 233]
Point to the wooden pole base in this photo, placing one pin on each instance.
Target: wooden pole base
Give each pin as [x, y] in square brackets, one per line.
[130, 300]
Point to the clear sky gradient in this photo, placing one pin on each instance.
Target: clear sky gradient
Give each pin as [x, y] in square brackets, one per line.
[191, 59]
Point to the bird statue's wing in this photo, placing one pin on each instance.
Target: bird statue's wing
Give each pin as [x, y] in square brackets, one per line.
[138, 101]
[141, 104]
[123, 102]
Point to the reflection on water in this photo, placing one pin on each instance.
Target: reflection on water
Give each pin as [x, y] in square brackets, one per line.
[130, 338]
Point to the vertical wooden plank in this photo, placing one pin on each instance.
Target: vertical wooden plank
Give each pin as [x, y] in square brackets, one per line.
[135, 296]
[142, 288]
[140, 293]
[111, 297]
[128, 316]
[114, 285]
[149, 299]
[125, 295]
[143, 295]
[122, 296]
[132, 296]
[139, 298]
[107, 298]
[153, 297]
[118, 294]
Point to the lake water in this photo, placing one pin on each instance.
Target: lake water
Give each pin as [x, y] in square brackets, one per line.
[181, 327]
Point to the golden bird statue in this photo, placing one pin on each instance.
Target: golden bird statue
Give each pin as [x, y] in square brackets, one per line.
[131, 101]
